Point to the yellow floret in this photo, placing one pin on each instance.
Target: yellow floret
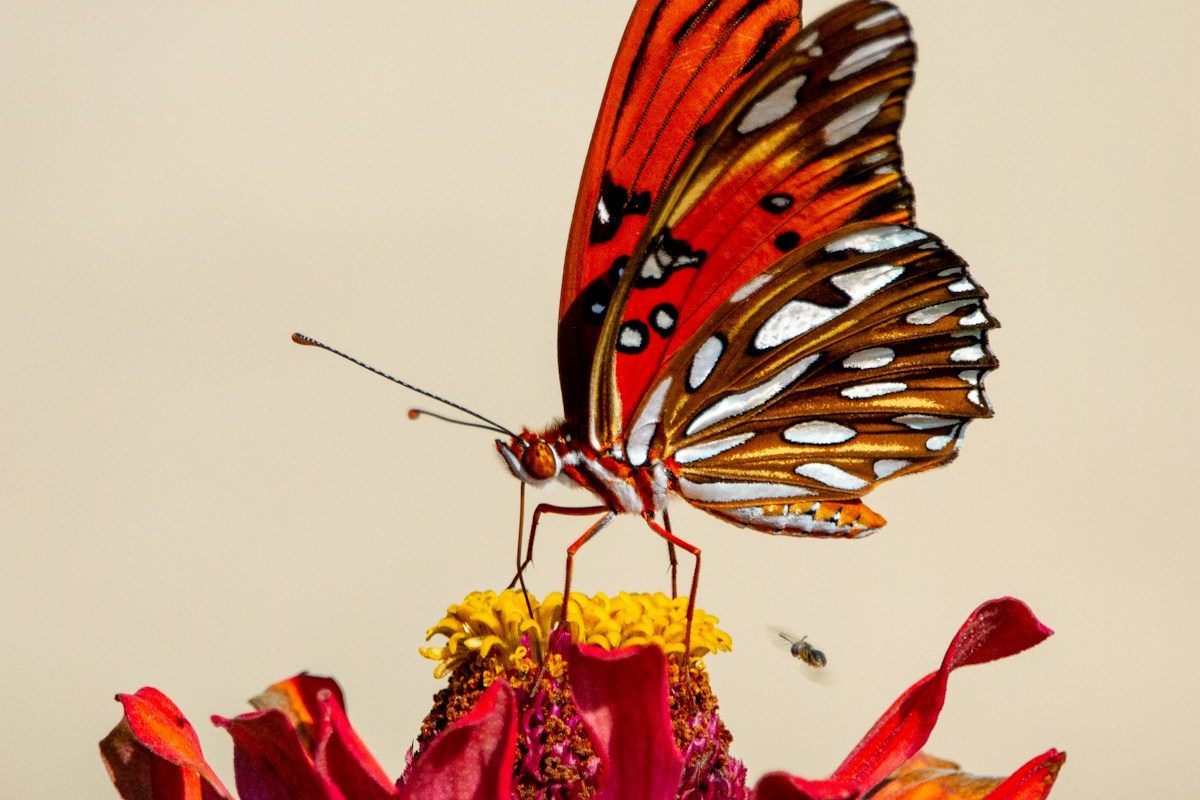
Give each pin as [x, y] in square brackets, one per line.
[499, 627]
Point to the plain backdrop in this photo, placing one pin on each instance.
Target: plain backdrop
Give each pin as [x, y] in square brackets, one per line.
[189, 500]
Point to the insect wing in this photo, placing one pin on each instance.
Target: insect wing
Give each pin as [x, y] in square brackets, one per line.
[807, 146]
[858, 358]
[818, 673]
[678, 63]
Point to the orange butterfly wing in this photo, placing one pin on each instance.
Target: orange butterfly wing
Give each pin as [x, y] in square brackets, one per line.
[807, 146]
[677, 65]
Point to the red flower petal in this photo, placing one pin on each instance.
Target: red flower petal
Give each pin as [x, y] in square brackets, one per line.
[622, 698]
[269, 761]
[316, 706]
[473, 758]
[344, 759]
[1034, 780]
[153, 753]
[996, 629]
[299, 698]
[781, 786]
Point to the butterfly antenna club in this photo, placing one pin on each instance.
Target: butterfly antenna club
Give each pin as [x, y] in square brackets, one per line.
[308, 341]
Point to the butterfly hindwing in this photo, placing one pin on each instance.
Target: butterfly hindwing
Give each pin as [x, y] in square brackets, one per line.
[678, 63]
[806, 146]
[856, 358]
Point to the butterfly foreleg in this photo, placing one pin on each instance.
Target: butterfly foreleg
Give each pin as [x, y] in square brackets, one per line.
[674, 562]
[686, 663]
[545, 508]
[571, 551]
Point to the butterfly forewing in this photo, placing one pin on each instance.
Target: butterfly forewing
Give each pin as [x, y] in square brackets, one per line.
[860, 357]
[677, 65]
[807, 146]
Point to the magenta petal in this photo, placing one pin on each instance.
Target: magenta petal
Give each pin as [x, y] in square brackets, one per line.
[269, 761]
[342, 757]
[622, 698]
[1033, 781]
[473, 758]
[996, 629]
[781, 786]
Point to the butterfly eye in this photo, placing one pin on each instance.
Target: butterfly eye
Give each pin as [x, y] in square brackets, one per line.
[540, 461]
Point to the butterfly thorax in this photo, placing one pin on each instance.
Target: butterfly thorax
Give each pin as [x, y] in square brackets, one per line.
[558, 453]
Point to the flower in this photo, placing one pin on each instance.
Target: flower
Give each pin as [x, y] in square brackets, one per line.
[605, 717]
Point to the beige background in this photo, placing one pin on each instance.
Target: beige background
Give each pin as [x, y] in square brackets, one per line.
[188, 500]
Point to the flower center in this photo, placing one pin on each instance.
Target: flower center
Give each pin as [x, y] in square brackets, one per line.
[489, 636]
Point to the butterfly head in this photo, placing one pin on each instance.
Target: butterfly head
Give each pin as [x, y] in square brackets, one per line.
[531, 457]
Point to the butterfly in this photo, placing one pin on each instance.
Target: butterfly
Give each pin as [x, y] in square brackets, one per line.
[749, 317]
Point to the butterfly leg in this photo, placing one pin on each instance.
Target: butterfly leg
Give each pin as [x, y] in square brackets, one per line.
[691, 606]
[671, 557]
[571, 551]
[546, 508]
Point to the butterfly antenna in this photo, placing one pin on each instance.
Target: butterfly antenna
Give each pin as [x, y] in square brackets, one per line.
[300, 338]
[417, 413]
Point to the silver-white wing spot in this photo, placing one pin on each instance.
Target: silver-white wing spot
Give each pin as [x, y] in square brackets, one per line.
[963, 285]
[602, 213]
[631, 338]
[704, 361]
[699, 452]
[972, 353]
[850, 122]
[752, 398]
[739, 491]
[870, 53]
[871, 358]
[819, 432]
[750, 287]
[807, 41]
[798, 317]
[876, 240]
[887, 467]
[878, 19]
[642, 432]
[773, 106]
[834, 477]
[931, 314]
[924, 422]
[976, 317]
[868, 390]
[940, 442]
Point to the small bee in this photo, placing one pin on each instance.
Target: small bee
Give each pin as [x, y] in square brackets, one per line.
[803, 651]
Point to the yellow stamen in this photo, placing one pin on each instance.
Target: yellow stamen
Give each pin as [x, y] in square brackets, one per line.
[499, 628]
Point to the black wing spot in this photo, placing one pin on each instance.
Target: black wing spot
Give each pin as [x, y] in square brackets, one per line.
[776, 203]
[614, 205]
[617, 269]
[633, 337]
[595, 301]
[788, 240]
[665, 256]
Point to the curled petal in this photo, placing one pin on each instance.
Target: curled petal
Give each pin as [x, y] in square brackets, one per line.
[996, 629]
[473, 758]
[622, 697]
[154, 754]
[1034, 780]
[271, 763]
[342, 757]
[299, 698]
